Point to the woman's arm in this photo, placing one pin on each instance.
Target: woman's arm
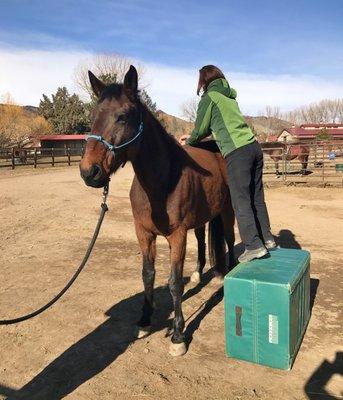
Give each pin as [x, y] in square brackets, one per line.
[203, 121]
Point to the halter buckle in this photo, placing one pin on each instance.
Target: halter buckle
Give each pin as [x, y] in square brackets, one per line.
[105, 192]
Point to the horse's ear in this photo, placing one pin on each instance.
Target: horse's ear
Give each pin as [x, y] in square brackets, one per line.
[97, 86]
[131, 81]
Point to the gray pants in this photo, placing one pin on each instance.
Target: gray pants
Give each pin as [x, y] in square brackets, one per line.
[244, 166]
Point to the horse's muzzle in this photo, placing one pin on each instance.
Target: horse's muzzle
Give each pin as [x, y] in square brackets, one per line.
[94, 176]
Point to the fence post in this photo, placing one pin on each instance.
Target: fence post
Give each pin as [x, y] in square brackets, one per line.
[12, 160]
[284, 177]
[68, 154]
[323, 177]
[52, 157]
[35, 159]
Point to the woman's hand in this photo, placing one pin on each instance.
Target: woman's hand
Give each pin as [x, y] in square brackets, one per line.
[183, 139]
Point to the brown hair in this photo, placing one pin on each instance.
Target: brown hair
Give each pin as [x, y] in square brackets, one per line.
[207, 74]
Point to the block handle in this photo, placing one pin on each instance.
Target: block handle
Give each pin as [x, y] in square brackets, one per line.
[238, 320]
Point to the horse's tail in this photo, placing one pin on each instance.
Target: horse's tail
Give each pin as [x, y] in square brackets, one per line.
[216, 244]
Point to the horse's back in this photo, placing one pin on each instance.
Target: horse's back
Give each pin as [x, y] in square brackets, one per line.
[208, 145]
[207, 155]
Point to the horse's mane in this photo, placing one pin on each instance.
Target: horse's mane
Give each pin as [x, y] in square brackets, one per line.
[157, 123]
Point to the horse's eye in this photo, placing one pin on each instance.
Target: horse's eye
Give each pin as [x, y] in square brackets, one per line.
[122, 118]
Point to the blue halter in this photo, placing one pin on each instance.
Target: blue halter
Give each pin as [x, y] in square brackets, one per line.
[112, 147]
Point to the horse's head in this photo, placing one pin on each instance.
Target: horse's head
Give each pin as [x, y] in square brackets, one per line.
[116, 127]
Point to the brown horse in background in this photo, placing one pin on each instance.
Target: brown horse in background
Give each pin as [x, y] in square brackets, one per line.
[275, 150]
[174, 189]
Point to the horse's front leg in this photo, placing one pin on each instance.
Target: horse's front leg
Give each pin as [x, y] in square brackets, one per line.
[177, 243]
[147, 242]
[200, 235]
[304, 164]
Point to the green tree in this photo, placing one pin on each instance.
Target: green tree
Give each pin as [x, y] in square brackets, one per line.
[323, 135]
[146, 99]
[66, 113]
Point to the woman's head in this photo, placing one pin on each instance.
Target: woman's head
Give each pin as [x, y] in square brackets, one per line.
[207, 74]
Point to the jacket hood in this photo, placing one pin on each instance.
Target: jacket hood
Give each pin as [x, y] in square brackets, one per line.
[222, 86]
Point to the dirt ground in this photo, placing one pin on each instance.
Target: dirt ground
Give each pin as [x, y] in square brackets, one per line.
[83, 347]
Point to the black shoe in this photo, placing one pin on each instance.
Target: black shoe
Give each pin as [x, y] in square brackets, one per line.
[249, 255]
[270, 244]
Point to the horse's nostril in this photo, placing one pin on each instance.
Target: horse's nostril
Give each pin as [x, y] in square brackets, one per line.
[92, 174]
[95, 172]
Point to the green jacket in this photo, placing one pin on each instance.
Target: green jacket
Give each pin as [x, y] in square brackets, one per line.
[218, 114]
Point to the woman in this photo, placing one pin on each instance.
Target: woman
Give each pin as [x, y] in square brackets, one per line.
[218, 114]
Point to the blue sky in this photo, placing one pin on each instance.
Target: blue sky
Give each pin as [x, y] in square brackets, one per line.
[263, 40]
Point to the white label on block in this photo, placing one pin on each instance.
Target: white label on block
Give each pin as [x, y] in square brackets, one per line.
[273, 331]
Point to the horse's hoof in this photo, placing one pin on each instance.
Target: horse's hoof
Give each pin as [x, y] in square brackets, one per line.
[142, 331]
[177, 349]
[195, 277]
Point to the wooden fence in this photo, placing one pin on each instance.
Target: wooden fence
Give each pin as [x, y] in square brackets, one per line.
[14, 158]
[325, 162]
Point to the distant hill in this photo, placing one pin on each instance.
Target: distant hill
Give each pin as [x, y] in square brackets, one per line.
[265, 126]
[31, 109]
[174, 125]
[262, 126]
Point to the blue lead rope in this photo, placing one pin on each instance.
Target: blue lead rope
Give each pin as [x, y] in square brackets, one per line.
[112, 147]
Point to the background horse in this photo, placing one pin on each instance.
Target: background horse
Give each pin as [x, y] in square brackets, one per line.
[276, 150]
[174, 189]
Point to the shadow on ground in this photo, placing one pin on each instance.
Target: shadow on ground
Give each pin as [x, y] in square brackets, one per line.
[286, 239]
[6, 391]
[93, 353]
[315, 386]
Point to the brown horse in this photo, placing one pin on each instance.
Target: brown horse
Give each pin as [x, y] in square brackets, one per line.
[174, 189]
[275, 150]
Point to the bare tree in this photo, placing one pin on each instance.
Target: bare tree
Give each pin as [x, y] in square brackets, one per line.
[8, 99]
[189, 109]
[326, 111]
[104, 65]
[272, 112]
[272, 117]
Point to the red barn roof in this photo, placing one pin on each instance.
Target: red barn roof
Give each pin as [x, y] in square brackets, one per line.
[272, 138]
[321, 126]
[311, 132]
